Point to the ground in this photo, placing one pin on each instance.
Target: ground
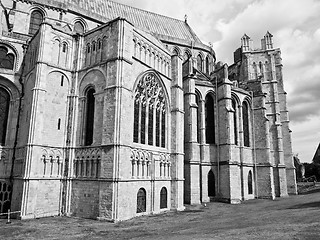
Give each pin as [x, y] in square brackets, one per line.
[295, 217]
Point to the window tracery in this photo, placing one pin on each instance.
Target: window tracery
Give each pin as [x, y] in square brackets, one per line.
[150, 112]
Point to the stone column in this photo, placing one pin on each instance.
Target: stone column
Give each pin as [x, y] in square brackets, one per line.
[177, 135]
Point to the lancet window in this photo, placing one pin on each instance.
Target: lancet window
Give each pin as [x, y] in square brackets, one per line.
[210, 120]
[89, 117]
[150, 113]
[245, 121]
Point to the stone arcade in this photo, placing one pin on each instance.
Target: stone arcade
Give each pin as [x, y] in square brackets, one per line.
[109, 112]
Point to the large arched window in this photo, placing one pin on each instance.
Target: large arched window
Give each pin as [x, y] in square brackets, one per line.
[235, 128]
[250, 189]
[163, 198]
[6, 58]
[4, 110]
[199, 62]
[198, 117]
[210, 121]
[78, 27]
[89, 118]
[150, 116]
[245, 122]
[141, 200]
[211, 184]
[35, 21]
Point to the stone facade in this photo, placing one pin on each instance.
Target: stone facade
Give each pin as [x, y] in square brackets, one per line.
[107, 117]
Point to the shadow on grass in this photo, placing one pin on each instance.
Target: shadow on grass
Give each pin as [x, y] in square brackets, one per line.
[305, 192]
[306, 205]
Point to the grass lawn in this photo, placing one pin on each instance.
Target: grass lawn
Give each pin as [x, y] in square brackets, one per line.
[295, 217]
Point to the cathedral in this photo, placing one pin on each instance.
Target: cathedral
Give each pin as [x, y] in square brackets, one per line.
[111, 112]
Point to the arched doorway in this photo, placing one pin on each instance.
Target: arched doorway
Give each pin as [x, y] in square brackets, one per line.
[141, 200]
[211, 184]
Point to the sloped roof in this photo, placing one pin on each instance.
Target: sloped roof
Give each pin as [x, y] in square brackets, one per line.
[316, 157]
[105, 10]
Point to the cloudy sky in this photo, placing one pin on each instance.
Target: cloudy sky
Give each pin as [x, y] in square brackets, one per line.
[295, 25]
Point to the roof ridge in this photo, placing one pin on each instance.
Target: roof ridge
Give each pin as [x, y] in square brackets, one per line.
[147, 11]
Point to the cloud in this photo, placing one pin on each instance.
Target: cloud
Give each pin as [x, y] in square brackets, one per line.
[305, 136]
[295, 26]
